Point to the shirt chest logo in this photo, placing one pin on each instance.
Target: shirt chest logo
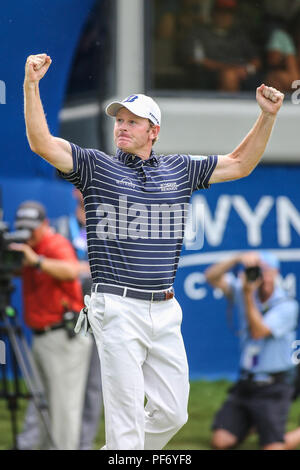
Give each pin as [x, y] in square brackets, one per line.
[168, 187]
[126, 182]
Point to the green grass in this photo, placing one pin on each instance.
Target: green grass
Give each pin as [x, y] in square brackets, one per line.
[205, 399]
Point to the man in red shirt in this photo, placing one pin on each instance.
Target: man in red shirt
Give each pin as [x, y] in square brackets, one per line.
[51, 288]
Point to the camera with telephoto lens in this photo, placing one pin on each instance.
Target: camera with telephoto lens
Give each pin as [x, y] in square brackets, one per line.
[253, 273]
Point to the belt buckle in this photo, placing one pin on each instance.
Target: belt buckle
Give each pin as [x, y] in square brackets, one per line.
[169, 295]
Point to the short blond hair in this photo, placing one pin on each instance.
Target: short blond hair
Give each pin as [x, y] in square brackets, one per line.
[153, 125]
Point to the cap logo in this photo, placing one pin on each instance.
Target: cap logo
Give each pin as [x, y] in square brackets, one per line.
[155, 118]
[130, 99]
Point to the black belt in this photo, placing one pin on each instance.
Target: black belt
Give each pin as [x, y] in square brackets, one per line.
[265, 378]
[42, 331]
[134, 294]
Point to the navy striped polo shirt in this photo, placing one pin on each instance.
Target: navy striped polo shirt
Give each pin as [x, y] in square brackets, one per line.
[136, 212]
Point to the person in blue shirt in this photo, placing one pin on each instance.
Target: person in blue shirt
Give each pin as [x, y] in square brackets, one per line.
[268, 320]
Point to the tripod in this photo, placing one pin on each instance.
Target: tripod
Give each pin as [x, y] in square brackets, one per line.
[21, 360]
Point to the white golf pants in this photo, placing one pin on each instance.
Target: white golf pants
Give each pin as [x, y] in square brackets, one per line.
[142, 355]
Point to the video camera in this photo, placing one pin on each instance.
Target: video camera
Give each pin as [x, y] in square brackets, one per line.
[11, 260]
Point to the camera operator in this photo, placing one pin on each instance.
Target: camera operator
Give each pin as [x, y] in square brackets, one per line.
[268, 320]
[73, 227]
[52, 296]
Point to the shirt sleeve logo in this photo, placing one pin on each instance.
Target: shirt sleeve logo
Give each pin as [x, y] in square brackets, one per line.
[198, 157]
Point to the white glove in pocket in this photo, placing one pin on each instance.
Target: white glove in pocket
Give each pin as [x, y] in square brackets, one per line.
[83, 322]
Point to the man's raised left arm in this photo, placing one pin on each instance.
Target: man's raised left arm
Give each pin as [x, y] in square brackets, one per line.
[247, 155]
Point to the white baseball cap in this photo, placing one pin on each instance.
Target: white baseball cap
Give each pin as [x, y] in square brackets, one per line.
[140, 105]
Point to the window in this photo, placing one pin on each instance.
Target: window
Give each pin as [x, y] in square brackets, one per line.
[223, 45]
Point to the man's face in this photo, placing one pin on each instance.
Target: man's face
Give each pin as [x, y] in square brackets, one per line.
[269, 276]
[37, 234]
[132, 133]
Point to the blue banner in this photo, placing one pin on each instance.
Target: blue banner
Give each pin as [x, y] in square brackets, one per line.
[258, 212]
[33, 27]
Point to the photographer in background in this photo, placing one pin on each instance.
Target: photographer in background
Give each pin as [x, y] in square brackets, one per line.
[51, 294]
[267, 317]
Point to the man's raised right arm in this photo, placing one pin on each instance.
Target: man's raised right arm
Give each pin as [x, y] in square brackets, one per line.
[56, 151]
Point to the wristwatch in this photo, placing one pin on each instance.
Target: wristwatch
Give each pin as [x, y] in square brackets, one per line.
[39, 262]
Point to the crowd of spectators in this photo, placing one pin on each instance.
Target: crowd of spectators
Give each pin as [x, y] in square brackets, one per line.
[223, 45]
[226, 45]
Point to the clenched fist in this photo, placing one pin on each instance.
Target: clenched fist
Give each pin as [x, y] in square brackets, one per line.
[36, 67]
[269, 99]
